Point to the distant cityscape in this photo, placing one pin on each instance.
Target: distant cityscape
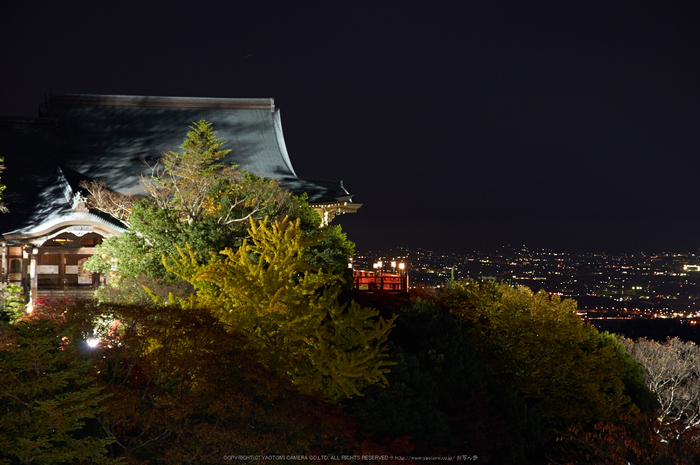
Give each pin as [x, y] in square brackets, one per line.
[641, 285]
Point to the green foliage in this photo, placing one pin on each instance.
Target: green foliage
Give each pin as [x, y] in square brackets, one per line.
[442, 392]
[333, 249]
[407, 407]
[46, 397]
[154, 232]
[633, 378]
[290, 311]
[132, 290]
[182, 181]
[243, 195]
[542, 349]
[136, 252]
[447, 354]
[14, 304]
[469, 301]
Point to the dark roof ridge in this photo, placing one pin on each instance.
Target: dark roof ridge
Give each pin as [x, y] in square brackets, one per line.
[160, 101]
[27, 122]
[312, 179]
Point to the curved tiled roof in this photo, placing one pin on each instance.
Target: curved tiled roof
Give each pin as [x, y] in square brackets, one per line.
[108, 137]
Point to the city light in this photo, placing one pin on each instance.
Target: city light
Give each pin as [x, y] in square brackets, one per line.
[605, 285]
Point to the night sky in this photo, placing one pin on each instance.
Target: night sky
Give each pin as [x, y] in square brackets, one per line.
[458, 125]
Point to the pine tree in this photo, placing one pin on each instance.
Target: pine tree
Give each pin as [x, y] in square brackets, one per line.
[46, 397]
[183, 181]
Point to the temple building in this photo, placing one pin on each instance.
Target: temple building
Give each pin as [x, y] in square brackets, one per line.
[50, 232]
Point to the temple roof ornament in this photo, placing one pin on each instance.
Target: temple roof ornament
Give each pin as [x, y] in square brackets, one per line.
[80, 203]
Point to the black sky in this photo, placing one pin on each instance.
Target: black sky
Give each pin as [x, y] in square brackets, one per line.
[458, 125]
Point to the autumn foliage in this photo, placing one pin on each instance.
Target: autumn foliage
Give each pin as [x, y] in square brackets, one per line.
[635, 439]
[230, 330]
[178, 386]
[290, 311]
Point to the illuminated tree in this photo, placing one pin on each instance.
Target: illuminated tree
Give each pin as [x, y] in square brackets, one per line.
[183, 181]
[47, 395]
[179, 181]
[634, 376]
[673, 373]
[14, 304]
[291, 311]
[115, 204]
[544, 351]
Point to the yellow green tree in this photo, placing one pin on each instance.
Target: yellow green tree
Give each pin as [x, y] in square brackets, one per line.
[541, 348]
[290, 311]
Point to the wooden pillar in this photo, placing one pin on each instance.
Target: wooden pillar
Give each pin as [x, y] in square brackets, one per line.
[62, 271]
[5, 265]
[33, 280]
[4, 271]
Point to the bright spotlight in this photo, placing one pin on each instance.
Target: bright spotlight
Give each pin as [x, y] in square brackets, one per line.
[92, 342]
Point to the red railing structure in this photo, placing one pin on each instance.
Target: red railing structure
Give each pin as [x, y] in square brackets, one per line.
[369, 281]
